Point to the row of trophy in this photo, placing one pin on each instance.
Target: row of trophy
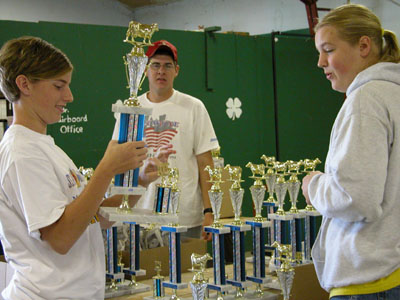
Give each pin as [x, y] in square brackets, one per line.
[285, 229]
[289, 227]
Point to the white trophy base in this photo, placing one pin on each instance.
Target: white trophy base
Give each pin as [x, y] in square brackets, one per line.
[312, 213]
[125, 289]
[139, 216]
[121, 190]
[121, 108]
[285, 217]
[298, 215]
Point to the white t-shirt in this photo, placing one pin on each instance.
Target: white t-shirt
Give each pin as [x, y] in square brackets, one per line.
[37, 181]
[182, 121]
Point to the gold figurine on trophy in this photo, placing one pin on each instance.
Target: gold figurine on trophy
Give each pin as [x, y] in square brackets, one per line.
[199, 283]
[270, 176]
[215, 193]
[280, 186]
[139, 36]
[286, 271]
[236, 192]
[309, 166]
[293, 169]
[257, 189]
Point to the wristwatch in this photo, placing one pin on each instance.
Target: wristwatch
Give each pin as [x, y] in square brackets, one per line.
[207, 210]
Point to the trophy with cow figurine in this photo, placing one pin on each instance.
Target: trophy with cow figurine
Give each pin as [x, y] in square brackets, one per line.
[312, 215]
[199, 283]
[270, 203]
[218, 231]
[132, 115]
[258, 225]
[286, 271]
[280, 219]
[174, 231]
[296, 232]
[238, 229]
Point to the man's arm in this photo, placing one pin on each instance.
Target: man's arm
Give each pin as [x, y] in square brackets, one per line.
[203, 160]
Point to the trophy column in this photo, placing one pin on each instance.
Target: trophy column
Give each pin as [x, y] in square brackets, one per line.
[174, 231]
[217, 230]
[238, 229]
[134, 253]
[162, 197]
[158, 279]
[270, 203]
[280, 219]
[131, 128]
[113, 269]
[310, 223]
[258, 225]
[296, 231]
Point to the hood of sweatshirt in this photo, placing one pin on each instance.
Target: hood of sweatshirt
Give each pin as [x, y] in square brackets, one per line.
[385, 71]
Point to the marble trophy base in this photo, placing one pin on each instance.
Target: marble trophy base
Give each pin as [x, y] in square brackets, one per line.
[249, 294]
[139, 216]
[124, 288]
[273, 284]
[121, 108]
[121, 190]
[285, 217]
[167, 297]
[265, 296]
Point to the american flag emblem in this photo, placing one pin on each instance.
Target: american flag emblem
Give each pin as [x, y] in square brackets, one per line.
[160, 132]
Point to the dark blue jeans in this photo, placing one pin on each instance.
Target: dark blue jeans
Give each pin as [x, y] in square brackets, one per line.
[392, 294]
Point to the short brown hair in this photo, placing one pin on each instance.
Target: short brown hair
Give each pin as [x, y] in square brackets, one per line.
[352, 21]
[32, 57]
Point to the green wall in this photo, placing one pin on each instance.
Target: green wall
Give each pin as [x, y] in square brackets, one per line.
[287, 114]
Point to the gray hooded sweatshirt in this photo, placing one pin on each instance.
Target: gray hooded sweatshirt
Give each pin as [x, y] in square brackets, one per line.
[359, 193]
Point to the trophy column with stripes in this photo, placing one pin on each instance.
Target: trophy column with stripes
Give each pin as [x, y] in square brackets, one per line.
[131, 128]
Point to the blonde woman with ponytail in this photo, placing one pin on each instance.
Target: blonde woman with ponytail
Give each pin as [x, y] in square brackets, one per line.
[357, 252]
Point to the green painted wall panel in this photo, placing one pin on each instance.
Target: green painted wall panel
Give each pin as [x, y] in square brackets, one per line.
[307, 106]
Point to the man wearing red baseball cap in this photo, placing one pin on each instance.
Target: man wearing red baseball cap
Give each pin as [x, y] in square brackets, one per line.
[183, 121]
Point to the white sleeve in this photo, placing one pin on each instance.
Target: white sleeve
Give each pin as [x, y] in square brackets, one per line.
[353, 186]
[37, 191]
[204, 134]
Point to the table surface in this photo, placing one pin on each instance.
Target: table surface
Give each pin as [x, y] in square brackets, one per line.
[187, 277]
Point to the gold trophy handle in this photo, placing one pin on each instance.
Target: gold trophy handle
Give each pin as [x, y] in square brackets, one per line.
[143, 78]
[126, 71]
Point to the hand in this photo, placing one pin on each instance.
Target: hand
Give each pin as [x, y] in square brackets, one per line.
[306, 182]
[208, 220]
[149, 172]
[120, 158]
[164, 152]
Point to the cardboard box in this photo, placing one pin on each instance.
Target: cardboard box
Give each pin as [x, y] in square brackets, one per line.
[149, 256]
[306, 285]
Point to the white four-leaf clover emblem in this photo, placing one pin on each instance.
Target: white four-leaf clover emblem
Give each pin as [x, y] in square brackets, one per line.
[233, 109]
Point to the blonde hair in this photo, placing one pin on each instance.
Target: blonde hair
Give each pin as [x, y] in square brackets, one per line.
[352, 21]
[32, 57]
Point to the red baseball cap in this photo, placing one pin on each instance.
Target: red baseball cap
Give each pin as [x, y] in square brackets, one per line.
[151, 51]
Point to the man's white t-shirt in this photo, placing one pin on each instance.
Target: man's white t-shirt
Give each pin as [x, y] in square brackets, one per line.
[182, 121]
[37, 181]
